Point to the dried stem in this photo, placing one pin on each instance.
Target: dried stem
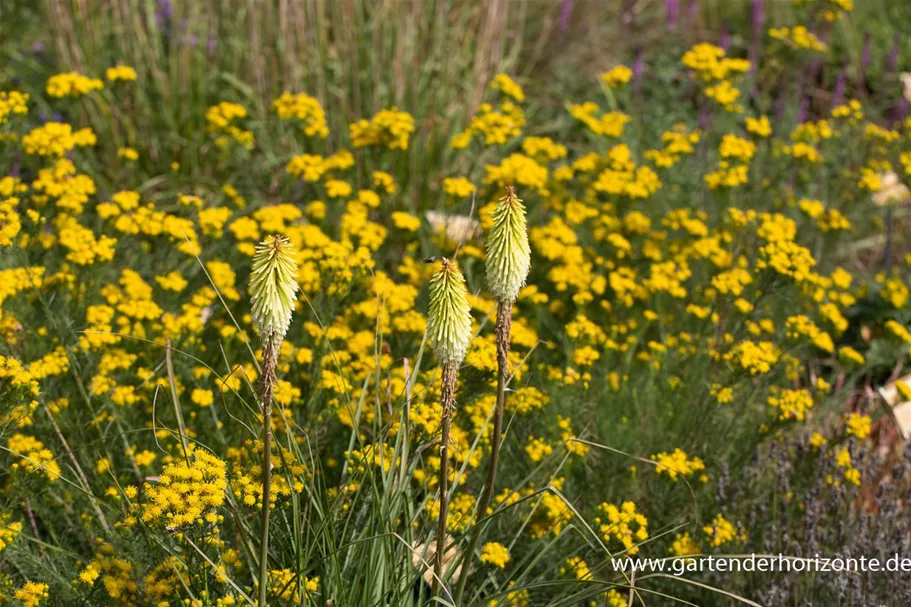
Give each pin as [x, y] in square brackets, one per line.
[503, 328]
[447, 400]
[267, 386]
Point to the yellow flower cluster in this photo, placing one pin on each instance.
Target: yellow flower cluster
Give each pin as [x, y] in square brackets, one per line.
[830, 10]
[617, 76]
[710, 63]
[799, 37]
[32, 594]
[684, 545]
[791, 404]
[313, 167]
[12, 102]
[843, 461]
[721, 531]
[116, 574]
[32, 456]
[677, 143]
[10, 223]
[518, 169]
[304, 109]
[56, 139]
[9, 531]
[496, 554]
[221, 119]
[858, 425]
[624, 524]
[284, 584]
[677, 463]
[609, 124]
[755, 357]
[288, 475]
[507, 86]
[788, 259]
[72, 84]
[801, 326]
[189, 491]
[623, 177]
[459, 187]
[389, 127]
[496, 126]
[83, 247]
[120, 73]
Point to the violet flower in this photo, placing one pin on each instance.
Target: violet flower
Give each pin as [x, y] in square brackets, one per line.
[566, 11]
[672, 12]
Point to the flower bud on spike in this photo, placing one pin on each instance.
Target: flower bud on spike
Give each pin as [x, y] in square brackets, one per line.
[508, 253]
[273, 283]
[449, 317]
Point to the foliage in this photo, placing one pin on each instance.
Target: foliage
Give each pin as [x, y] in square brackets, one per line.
[718, 283]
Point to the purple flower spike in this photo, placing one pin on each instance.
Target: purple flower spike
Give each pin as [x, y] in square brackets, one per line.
[725, 41]
[804, 106]
[692, 8]
[164, 12]
[865, 57]
[838, 95]
[892, 57]
[638, 64]
[757, 16]
[638, 68]
[900, 112]
[566, 11]
[672, 11]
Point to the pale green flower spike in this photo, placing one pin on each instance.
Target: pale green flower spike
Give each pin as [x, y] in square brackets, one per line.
[273, 283]
[508, 253]
[449, 318]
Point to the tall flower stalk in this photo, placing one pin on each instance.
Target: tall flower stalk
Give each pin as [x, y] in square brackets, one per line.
[273, 283]
[449, 329]
[508, 263]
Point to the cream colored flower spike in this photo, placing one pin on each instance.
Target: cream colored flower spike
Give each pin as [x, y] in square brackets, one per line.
[273, 284]
[449, 317]
[508, 253]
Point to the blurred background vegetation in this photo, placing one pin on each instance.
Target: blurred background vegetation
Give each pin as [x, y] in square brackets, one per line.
[432, 58]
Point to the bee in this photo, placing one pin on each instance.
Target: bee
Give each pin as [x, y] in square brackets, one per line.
[431, 259]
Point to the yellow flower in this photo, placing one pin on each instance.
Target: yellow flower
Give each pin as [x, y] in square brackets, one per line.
[759, 126]
[617, 76]
[458, 187]
[684, 545]
[849, 354]
[128, 154]
[389, 127]
[123, 73]
[858, 425]
[306, 110]
[791, 404]
[624, 524]
[721, 531]
[496, 554]
[32, 594]
[507, 86]
[188, 492]
[12, 102]
[406, 221]
[677, 463]
[72, 84]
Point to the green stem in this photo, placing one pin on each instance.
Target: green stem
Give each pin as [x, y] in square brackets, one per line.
[270, 360]
[447, 400]
[504, 324]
